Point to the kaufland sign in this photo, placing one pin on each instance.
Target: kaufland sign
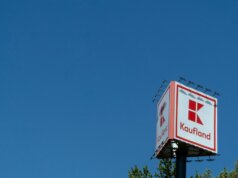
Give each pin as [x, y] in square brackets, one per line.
[187, 115]
[162, 130]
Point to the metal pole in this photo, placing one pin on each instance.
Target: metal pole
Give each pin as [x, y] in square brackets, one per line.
[181, 163]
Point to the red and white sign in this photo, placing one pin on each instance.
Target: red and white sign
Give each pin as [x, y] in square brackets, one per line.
[189, 116]
[162, 127]
[195, 120]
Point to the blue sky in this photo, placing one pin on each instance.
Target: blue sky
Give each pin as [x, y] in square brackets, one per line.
[77, 78]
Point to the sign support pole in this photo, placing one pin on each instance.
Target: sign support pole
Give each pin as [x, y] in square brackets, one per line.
[181, 163]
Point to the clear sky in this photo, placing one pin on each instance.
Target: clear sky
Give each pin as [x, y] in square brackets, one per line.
[77, 78]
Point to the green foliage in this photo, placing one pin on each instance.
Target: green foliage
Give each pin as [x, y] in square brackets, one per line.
[206, 174]
[227, 174]
[137, 173]
[224, 174]
[166, 169]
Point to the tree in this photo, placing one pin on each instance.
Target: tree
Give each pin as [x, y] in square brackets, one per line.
[166, 169]
[227, 174]
[137, 173]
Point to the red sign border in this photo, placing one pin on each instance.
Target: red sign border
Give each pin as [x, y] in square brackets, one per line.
[215, 118]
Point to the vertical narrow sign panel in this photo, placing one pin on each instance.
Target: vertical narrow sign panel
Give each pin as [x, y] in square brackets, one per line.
[162, 126]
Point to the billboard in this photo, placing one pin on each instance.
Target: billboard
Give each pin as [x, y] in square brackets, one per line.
[195, 119]
[188, 117]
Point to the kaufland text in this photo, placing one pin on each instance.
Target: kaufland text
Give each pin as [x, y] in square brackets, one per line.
[162, 134]
[195, 131]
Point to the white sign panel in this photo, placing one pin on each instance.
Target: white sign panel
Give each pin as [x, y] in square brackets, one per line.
[162, 126]
[196, 116]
